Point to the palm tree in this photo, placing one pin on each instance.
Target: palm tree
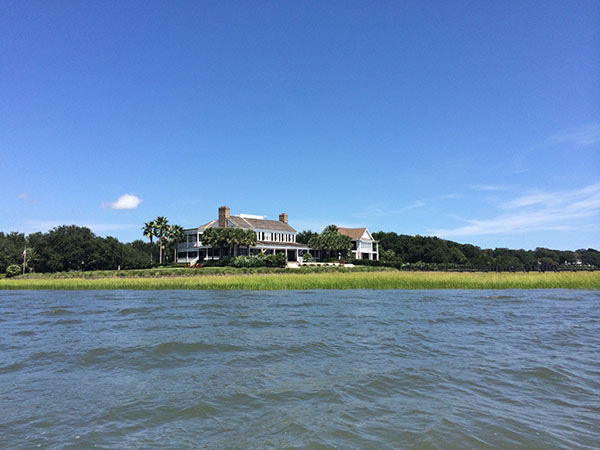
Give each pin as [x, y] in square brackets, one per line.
[211, 237]
[176, 235]
[149, 230]
[31, 258]
[162, 224]
[247, 238]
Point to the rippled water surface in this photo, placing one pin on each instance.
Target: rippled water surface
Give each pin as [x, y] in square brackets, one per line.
[310, 369]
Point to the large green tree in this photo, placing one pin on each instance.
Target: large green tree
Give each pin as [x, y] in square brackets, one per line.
[175, 235]
[331, 241]
[304, 236]
[231, 238]
[149, 230]
[11, 249]
[161, 226]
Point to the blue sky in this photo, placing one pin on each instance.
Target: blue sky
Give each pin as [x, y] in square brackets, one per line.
[475, 121]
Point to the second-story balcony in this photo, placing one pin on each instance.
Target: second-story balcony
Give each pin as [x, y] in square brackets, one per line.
[187, 245]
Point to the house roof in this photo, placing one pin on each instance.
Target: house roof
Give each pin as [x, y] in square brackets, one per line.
[251, 224]
[353, 233]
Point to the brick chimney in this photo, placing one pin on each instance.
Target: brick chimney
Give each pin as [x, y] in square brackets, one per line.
[283, 217]
[223, 216]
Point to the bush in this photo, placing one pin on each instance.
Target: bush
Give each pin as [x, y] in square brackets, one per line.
[278, 260]
[376, 263]
[249, 261]
[221, 262]
[13, 270]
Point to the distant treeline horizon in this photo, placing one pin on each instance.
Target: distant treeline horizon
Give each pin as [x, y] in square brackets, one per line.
[71, 247]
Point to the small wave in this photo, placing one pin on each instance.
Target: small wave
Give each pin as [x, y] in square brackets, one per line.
[500, 297]
[193, 347]
[11, 367]
[382, 384]
[57, 312]
[300, 305]
[95, 355]
[125, 311]
[299, 323]
[260, 324]
[45, 357]
[24, 333]
[319, 348]
[461, 319]
[199, 410]
[544, 373]
[67, 322]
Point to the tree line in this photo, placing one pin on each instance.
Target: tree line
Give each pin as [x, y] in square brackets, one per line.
[70, 247]
[425, 252]
[442, 254]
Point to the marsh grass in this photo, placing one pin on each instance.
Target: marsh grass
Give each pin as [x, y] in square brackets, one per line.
[323, 280]
[188, 272]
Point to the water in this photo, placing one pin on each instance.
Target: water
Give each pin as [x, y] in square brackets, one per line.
[320, 369]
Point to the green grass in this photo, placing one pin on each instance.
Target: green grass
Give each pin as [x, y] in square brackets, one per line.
[322, 280]
[187, 272]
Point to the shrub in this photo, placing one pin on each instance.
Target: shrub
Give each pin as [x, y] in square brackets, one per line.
[221, 262]
[249, 261]
[13, 270]
[278, 260]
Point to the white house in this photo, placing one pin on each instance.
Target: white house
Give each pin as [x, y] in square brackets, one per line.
[273, 236]
[363, 244]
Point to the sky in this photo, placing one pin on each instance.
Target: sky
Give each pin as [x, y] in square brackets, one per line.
[475, 121]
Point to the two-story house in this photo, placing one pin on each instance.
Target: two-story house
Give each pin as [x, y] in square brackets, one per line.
[363, 244]
[272, 236]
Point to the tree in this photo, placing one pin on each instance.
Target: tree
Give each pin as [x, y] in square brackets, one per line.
[149, 229]
[176, 235]
[389, 256]
[161, 226]
[304, 236]
[110, 253]
[211, 237]
[11, 249]
[228, 237]
[247, 238]
[69, 247]
[331, 241]
[135, 255]
[31, 259]
[590, 257]
[13, 270]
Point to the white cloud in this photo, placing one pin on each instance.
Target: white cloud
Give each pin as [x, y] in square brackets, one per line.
[27, 198]
[415, 205]
[542, 211]
[488, 187]
[582, 136]
[125, 201]
[380, 210]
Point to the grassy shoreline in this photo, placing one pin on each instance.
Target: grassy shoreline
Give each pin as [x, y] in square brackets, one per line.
[318, 280]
